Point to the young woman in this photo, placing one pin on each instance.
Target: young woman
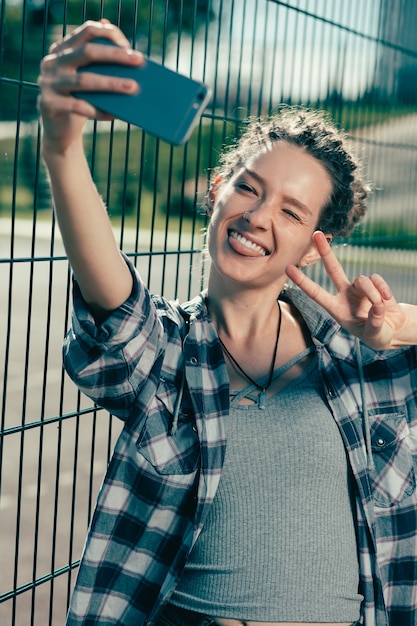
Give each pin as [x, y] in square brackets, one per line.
[265, 472]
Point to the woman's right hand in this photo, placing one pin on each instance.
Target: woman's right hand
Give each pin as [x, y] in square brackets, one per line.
[64, 115]
[103, 276]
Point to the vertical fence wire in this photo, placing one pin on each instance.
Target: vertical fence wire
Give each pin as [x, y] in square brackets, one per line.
[356, 60]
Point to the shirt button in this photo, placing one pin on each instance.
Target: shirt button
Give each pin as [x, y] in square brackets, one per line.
[380, 442]
[330, 392]
[193, 360]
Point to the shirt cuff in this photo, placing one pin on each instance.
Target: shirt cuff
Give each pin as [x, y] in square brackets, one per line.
[120, 325]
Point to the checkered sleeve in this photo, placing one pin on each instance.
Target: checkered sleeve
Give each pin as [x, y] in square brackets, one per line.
[110, 362]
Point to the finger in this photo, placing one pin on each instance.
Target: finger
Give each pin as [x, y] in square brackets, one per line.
[52, 103]
[72, 57]
[374, 326]
[59, 72]
[382, 286]
[90, 81]
[312, 289]
[96, 52]
[331, 264]
[366, 287]
[91, 30]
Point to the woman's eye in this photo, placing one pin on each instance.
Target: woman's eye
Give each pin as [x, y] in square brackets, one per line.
[245, 187]
[293, 215]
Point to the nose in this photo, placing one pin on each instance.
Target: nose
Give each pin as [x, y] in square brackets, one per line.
[260, 216]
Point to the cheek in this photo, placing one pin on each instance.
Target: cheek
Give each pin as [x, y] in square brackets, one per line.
[216, 233]
[298, 250]
[214, 223]
[211, 236]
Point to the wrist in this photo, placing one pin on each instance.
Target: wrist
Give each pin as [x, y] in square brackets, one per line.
[54, 149]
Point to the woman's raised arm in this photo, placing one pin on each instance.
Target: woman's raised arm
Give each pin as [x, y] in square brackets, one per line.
[104, 278]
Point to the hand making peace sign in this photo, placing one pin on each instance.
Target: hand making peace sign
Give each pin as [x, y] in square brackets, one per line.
[365, 307]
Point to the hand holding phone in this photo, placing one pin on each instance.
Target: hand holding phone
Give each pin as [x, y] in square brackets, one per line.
[167, 105]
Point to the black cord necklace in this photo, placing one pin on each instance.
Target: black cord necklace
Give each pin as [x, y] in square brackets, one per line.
[262, 388]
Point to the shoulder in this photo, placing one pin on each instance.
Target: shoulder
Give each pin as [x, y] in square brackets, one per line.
[319, 323]
[181, 312]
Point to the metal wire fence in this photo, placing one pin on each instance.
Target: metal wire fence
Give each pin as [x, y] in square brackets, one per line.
[357, 60]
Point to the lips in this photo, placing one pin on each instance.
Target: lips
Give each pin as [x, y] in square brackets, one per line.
[251, 246]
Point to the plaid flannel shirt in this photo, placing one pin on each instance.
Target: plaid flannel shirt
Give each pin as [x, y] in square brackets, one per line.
[159, 367]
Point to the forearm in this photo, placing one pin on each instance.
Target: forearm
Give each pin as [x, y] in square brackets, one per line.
[103, 277]
[101, 272]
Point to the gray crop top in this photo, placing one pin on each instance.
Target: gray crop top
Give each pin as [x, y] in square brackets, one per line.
[279, 543]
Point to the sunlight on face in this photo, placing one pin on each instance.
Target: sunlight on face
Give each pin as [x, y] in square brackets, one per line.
[264, 216]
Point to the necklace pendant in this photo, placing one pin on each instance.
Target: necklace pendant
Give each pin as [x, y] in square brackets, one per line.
[262, 399]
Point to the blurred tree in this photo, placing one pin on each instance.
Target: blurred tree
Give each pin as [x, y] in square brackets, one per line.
[10, 58]
[136, 18]
[149, 21]
[27, 27]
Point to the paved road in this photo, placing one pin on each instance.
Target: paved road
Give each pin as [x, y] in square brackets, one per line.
[392, 169]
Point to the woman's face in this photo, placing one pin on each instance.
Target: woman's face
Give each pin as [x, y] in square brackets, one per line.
[263, 218]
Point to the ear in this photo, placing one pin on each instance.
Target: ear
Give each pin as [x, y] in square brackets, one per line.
[212, 193]
[312, 255]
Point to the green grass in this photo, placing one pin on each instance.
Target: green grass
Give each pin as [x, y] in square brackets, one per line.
[132, 172]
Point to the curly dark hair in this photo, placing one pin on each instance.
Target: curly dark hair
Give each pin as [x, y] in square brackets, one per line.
[313, 131]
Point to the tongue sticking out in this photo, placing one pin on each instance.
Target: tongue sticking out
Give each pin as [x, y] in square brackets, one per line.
[244, 246]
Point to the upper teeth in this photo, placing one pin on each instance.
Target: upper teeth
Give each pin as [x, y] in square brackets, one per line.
[248, 244]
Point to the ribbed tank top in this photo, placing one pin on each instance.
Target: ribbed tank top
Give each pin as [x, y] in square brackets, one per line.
[279, 542]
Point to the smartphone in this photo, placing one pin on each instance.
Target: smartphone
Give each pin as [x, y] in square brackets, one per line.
[168, 104]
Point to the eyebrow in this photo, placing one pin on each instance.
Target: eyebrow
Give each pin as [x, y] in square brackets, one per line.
[289, 199]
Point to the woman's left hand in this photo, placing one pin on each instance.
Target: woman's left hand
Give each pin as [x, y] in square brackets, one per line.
[366, 307]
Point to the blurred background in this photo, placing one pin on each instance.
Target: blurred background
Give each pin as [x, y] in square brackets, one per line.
[357, 60]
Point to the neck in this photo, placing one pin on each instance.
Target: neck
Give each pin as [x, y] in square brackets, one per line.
[244, 314]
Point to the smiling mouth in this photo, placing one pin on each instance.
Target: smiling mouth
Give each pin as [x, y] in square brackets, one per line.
[250, 245]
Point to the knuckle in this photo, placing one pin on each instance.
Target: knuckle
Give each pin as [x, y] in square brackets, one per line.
[89, 24]
[80, 107]
[87, 27]
[82, 81]
[46, 62]
[377, 278]
[93, 28]
[45, 102]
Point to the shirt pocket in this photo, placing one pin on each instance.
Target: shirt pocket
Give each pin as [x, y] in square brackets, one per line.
[393, 476]
[176, 453]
